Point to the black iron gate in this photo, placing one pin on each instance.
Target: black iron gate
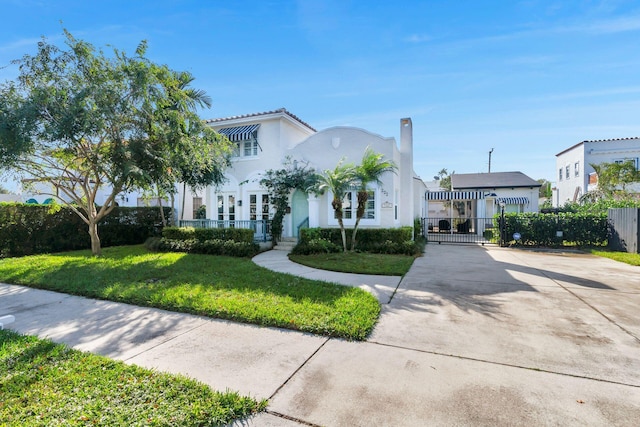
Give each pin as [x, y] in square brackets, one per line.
[461, 230]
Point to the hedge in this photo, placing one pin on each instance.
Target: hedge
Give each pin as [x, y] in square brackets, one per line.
[203, 234]
[209, 247]
[582, 229]
[236, 242]
[375, 240]
[27, 229]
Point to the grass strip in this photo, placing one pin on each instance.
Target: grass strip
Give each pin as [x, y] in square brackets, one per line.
[214, 286]
[44, 383]
[356, 262]
[627, 258]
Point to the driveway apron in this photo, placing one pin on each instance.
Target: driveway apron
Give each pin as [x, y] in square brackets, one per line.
[486, 336]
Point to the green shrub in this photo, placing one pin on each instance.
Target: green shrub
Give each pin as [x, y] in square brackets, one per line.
[579, 228]
[27, 229]
[203, 234]
[376, 240]
[316, 246]
[209, 247]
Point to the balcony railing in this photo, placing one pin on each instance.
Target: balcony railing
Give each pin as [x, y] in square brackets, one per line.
[261, 227]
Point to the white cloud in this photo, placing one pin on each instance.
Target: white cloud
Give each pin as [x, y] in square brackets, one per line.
[418, 38]
[20, 44]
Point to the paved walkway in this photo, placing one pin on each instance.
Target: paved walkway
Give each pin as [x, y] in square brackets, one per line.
[472, 336]
[382, 287]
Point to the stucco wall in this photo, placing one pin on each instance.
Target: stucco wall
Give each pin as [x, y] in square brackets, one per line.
[587, 153]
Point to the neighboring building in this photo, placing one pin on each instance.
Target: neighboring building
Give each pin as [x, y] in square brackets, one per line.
[478, 196]
[518, 192]
[10, 198]
[45, 193]
[265, 140]
[575, 175]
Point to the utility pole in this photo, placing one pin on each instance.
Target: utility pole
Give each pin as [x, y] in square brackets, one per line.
[491, 151]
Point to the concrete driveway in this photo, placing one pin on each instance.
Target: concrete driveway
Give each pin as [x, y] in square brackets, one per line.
[487, 336]
[472, 336]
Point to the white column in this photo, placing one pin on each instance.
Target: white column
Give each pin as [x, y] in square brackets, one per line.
[314, 211]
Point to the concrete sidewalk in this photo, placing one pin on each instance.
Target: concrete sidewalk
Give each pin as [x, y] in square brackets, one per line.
[473, 336]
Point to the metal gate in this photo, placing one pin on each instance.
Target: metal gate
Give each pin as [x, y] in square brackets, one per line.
[461, 230]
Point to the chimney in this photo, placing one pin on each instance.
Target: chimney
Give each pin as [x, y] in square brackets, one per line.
[406, 205]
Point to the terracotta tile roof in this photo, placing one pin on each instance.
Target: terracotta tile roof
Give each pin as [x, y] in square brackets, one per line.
[612, 139]
[265, 113]
[596, 140]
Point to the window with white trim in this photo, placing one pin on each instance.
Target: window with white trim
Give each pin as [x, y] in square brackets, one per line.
[627, 159]
[576, 168]
[350, 205]
[197, 202]
[226, 207]
[250, 148]
[560, 174]
[567, 173]
[259, 206]
[246, 148]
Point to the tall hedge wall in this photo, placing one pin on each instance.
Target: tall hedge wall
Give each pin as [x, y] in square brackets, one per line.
[582, 229]
[27, 229]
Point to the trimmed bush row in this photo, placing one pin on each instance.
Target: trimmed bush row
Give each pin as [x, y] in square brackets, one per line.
[237, 242]
[582, 229]
[208, 247]
[27, 229]
[374, 240]
[203, 234]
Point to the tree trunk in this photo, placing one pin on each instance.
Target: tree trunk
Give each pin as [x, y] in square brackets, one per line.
[337, 208]
[363, 196]
[96, 250]
[162, 218]
[184, 196]
[344, 235]
[173, 209]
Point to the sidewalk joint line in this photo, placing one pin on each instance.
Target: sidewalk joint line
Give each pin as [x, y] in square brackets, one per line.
[165, 341]
[298, 368]
[473, 359]
[290, 418]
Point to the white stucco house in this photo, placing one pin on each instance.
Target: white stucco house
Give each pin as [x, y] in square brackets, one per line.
[576, 176]
[265, 140]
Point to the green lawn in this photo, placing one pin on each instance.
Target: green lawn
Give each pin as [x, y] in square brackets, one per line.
[44, 383]
[355, 262]
[214, 286]
[632, 259]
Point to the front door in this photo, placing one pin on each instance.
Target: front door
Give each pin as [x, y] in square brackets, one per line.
[299, 211]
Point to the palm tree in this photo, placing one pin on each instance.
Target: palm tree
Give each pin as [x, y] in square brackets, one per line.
[338, 182]
[373, 166]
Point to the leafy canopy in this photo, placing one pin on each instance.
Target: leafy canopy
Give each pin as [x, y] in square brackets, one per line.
[78, 120]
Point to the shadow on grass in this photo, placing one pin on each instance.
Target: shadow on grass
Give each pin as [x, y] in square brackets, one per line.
[213, 286]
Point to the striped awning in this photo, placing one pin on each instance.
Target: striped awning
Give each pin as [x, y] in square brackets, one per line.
[454, 195]
[240, 133]
[512, 200]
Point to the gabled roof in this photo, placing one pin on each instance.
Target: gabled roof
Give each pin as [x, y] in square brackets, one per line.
[282, 111]
[596, 140]
[461, 181]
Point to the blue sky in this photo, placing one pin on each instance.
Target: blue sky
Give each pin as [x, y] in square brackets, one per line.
[526, 78]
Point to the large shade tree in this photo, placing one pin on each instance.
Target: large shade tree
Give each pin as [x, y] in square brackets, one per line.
[370, 171]
[78, 120]
[338, 181]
